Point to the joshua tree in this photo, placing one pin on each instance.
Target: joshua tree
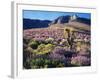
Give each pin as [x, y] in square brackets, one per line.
[69, 36]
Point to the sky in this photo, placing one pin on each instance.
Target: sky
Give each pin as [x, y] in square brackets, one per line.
[50, 15]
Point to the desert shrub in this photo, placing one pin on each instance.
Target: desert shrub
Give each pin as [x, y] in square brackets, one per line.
[26, 41]
[59, 57]
[27, 55]
[49, 47]
[40, 40]
[58, 54]
[40, 63]
[26, 65]
[33, 44]
[37, 63]
[85, 53]
[70, 54]
[45, 63]
[40, 47]
[56, 63]
[59, 50]
[49, 40]
[44, 49]
[80, 61]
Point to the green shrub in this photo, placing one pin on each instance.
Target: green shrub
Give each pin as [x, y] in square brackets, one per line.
[44, 49]
[39, 63]
[45, 63]
[33, 44]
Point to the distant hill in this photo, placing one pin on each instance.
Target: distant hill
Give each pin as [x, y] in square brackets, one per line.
[35, 23]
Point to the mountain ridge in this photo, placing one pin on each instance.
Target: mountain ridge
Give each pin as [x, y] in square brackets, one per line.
[36, 23]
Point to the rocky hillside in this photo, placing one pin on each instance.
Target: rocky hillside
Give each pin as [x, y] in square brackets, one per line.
[73, 18]
[75, 22]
